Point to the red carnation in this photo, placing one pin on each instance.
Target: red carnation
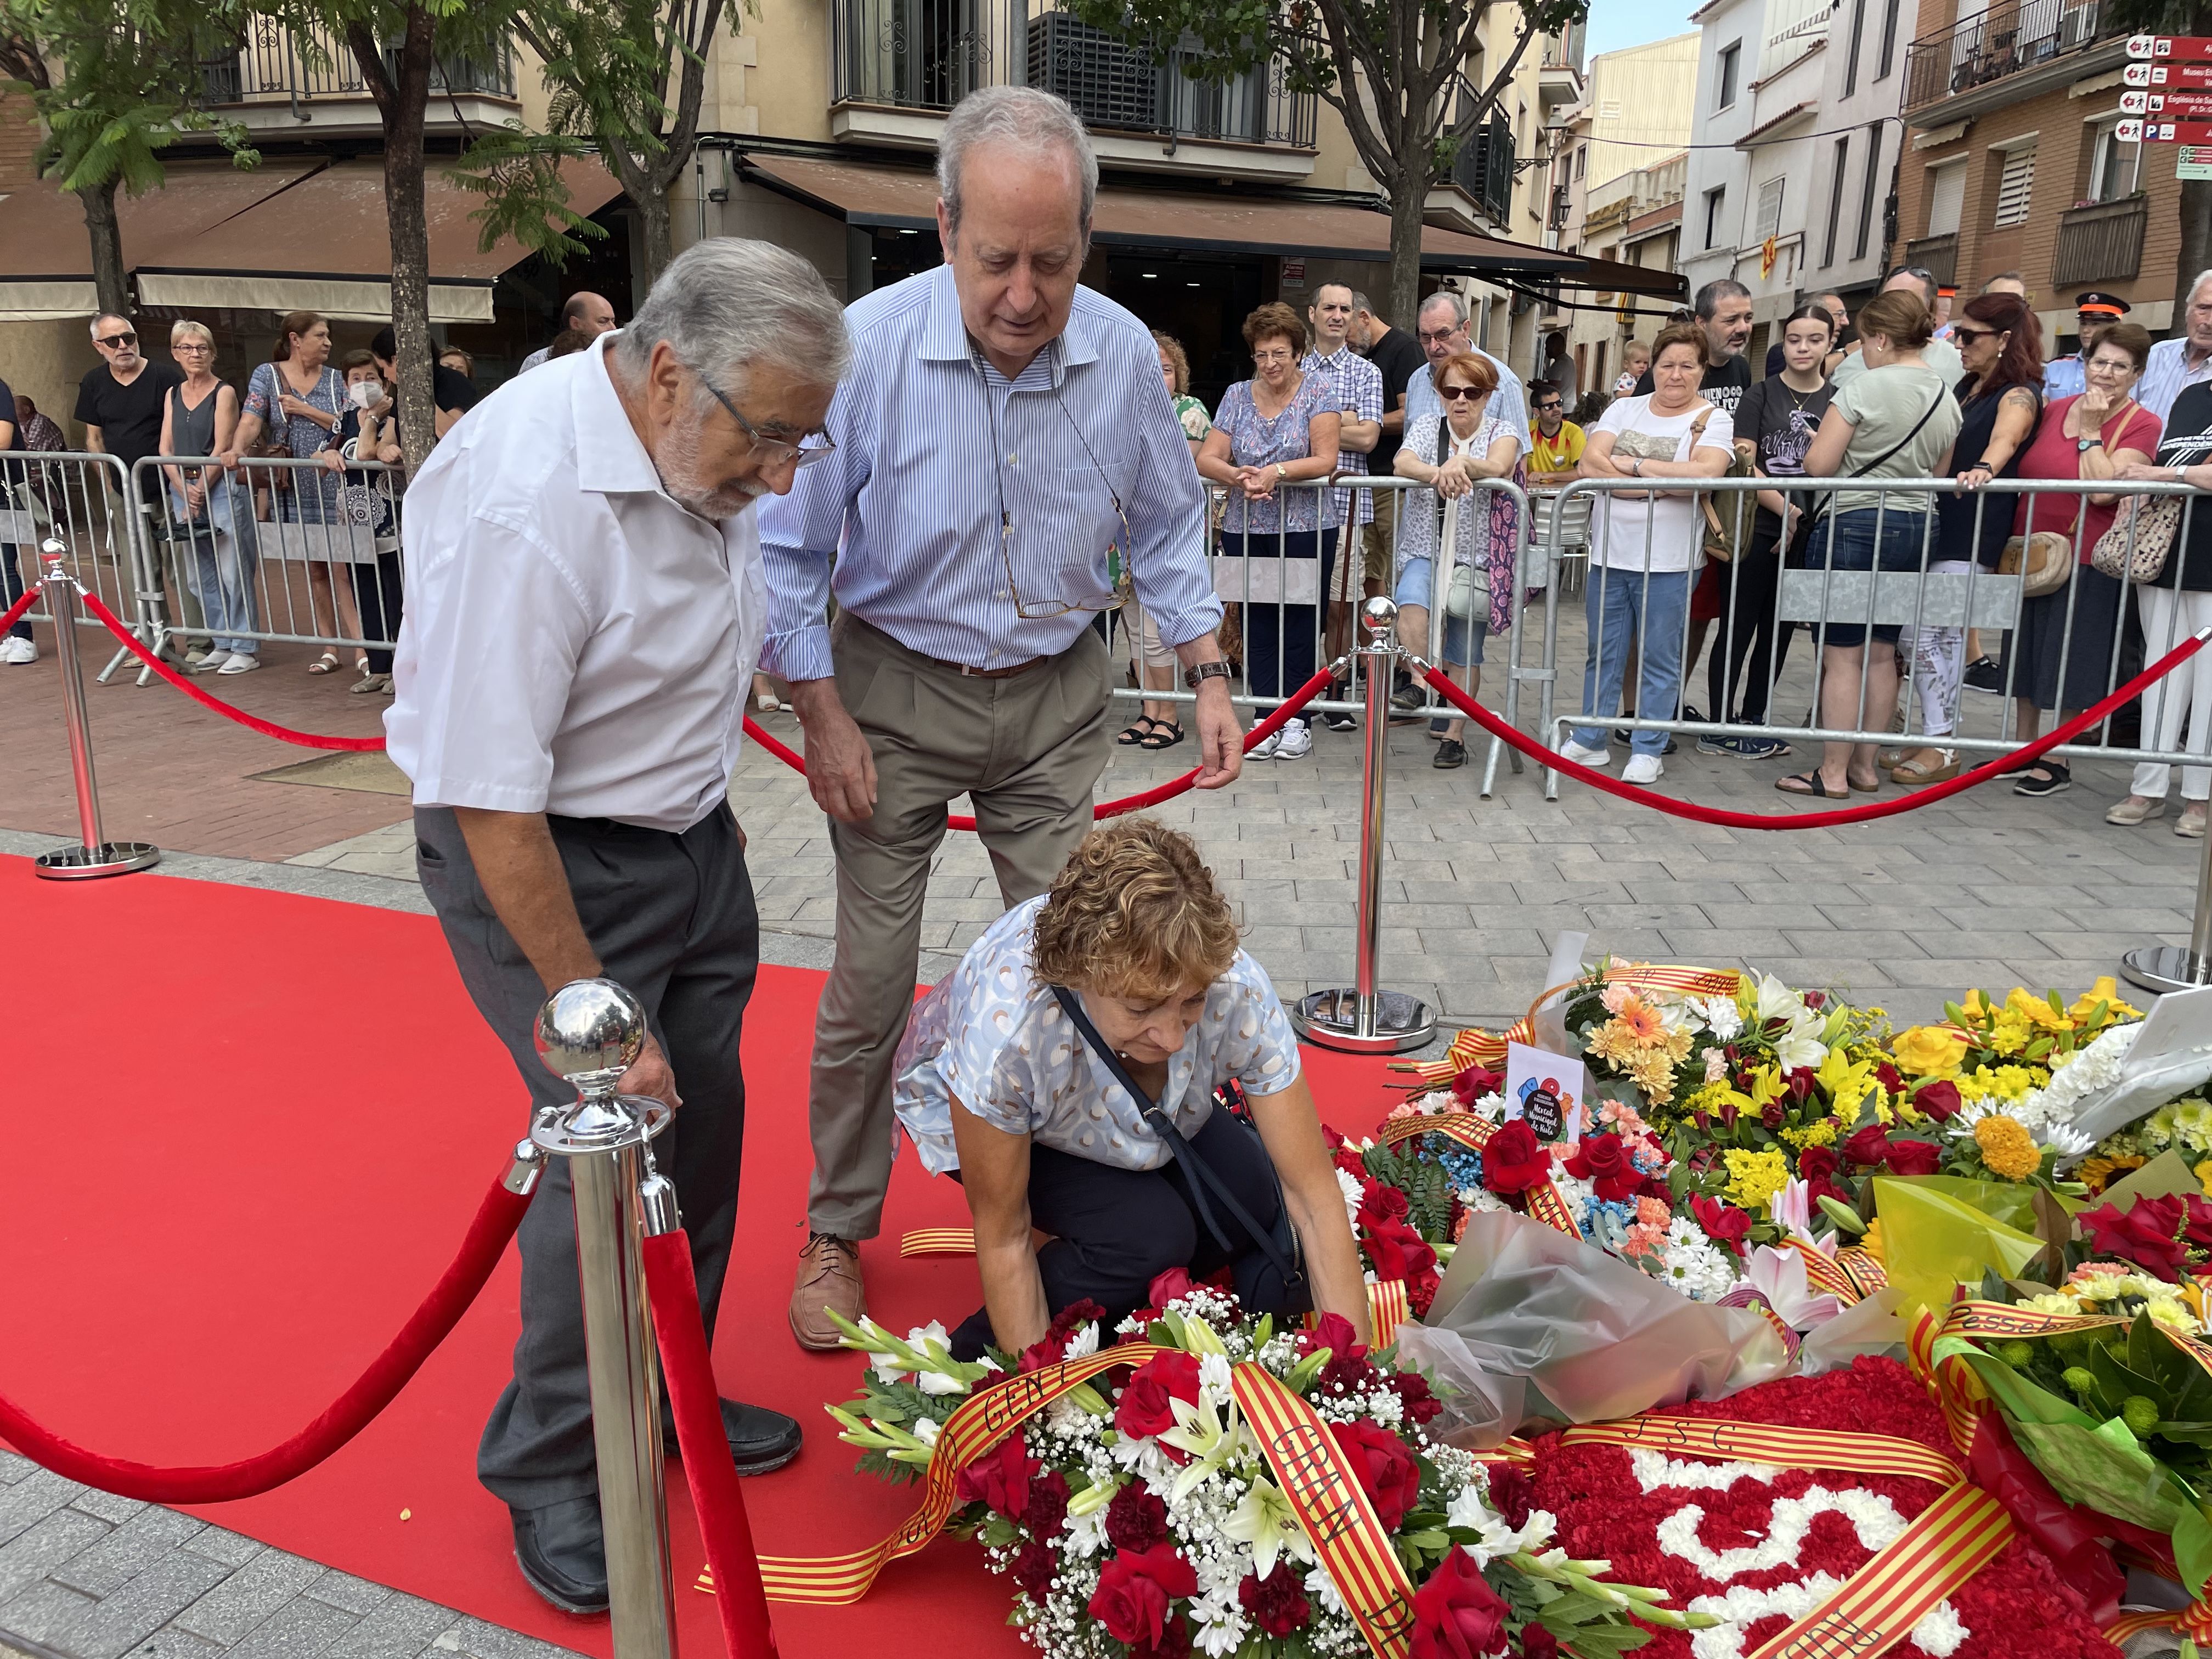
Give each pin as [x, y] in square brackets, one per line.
[1347, 1159]
[1047, 1504]
[1422, 1407]
[1472, 1084]
[1167, 1287]
[1603, 1160]
[1174, 1644]
[2147, 1234]
[1143, 1410]
[1135, 1590]
[1052, 1348]
[1456, 1615]
[1915, 1158]
[1135, 1520]
[1871, 1146]
[1538, 1642]
[1938, 1100]
[1385, 1470]
[1512, 1493]
[1000, 1477]
[1034, 1568]
[1333, 1331]
[1381, 1203]
[1514, 1160]
[1399, 1252]
[1723, 1223]
[1277, 1603]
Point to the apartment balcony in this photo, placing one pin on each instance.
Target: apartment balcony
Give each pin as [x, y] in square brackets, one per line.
[281, 81]
[1938, 255]
[2013, 50]
[1560, 78]
[1476, 196]
[898, 65]
[2100, 242]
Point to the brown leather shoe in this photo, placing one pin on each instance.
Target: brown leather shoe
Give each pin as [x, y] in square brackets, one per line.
[828, 1278]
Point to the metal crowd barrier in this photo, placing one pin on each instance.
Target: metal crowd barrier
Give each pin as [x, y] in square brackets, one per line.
[1933, 596]
[77, 502]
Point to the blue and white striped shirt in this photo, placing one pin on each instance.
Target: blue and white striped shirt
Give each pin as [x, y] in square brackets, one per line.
[937, 450]
[2167, 374]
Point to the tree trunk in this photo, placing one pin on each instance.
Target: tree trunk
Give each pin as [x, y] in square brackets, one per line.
[1407, 203]
[654, 224]
[108, 275]
[402, 101]
[2196, 255]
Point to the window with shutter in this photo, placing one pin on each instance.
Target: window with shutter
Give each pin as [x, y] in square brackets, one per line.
[1769, 210]
[2015, 186]
[1947, 195]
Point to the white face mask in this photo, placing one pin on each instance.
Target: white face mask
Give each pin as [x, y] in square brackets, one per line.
[365, 394]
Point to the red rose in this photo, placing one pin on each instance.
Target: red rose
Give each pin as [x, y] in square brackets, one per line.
[2196, 1228]
[1514, 1160]
[1000, 1477]
[1382, 1203]
[1603, 1160]
[1770, 1113]
[1165, 1288]
[1034, 1568]
[1456, 1615]
[1386, 1470]
[1938, 1100]
[1723, 1223]
[1047, 1504]
[1134, 1592]
[1143, 1410]
[1472, 1084]
[2146, 1235]
[1174, 1644]
[1819, 1163]
[1871, 1146]
[1399, 1252]
[1889, 1077]
[1537, 1643]
[1135, 1520]
[1333, 1331]
[1915, 1158]
[1277, 1603]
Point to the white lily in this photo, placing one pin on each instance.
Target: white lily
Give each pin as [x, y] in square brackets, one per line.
[1776, 1001]
[1801, 1046]
[1495, 1538]
[1210, 1439]
[1779, 1276]
[1265, 1521]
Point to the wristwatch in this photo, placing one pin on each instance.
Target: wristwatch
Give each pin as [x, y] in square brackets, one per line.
[1279, 473]
[1194, 677]
[2083, 445]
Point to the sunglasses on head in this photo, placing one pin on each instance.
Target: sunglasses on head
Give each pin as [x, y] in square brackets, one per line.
[127, 337]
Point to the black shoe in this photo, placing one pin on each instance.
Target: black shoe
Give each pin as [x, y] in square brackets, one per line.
[1691, 715]
[1341, 720]
[2056, 780]
[1450, 752]
[563, 1553]
[1983, 675]
[760, 1439]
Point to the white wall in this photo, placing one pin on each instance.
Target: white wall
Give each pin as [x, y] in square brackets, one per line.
[1709, 250]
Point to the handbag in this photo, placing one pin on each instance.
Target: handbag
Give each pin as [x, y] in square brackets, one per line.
[1459, 588]
[2152, 520]
[2044, 561]
[1280, 1243]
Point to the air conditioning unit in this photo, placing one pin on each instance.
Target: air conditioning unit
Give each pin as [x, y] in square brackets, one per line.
[1106, 82]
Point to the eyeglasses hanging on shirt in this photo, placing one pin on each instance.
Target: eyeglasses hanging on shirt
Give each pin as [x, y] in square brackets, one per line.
[1118, 553]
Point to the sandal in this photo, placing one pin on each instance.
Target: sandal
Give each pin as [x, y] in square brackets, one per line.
[1131, 735]
[1914, 769]
[765, 703]
[372, 682]
[326, 664]
[1158, 737]
[1810, 783]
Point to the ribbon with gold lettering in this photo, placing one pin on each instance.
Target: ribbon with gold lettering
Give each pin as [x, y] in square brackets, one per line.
[1332, 1506]
[1487, 1049]
[1864, 1267]
[1474, 1131]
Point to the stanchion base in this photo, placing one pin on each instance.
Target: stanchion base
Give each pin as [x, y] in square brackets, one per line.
[2164, 968]
[114, 857]
[1330, 1019]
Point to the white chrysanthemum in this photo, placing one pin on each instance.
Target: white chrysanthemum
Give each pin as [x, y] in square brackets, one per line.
[1321, 1589]
[2073, 1078]
[1213, 1378]
[1348, 1184]
[1942, 1633]
[1722, 1016]
[1694, 1264]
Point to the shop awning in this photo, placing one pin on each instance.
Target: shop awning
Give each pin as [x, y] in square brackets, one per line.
[284, 236]
[899, 198]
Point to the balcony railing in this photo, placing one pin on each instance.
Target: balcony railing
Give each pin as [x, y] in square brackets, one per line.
[1483, 166]
[928, 54]
[1938, 256]
[2005, 39]
[2102, 242]
[274, 62]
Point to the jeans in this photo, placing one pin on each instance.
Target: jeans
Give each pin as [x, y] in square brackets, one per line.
[1654, 611]
[1463, 635]
[1846, 541]
[11, 588]
[218, 557]
[1280, 641]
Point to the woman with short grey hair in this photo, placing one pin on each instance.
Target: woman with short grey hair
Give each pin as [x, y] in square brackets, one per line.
[214, 541]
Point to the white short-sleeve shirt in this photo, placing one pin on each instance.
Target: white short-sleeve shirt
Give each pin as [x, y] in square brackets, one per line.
[1667, 535]
[993, 1036]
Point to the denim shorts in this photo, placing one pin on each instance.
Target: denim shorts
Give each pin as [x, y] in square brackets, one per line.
[1463, 635]
[1846, 541]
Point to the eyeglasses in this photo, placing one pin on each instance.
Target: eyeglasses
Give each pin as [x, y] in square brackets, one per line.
[1452, 394]
[2106, 366]
[126, 338]
[1119, 578]
[1552, 408]
[192, 345]
[1438, 336]
[773, 451]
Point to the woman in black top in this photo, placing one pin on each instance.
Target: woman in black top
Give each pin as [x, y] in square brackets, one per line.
[2001, 401]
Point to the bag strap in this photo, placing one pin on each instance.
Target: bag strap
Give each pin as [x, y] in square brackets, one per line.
[1196, 1170]
[1926, 416]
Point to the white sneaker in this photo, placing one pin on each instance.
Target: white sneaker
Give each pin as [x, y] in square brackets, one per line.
[1297, 741]
[1265, 749]
[1582, 756]
[18, 651]
[242, 662]
[1642, 768]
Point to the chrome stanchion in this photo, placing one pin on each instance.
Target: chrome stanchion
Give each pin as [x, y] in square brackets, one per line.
[1366, 1019]
[590, 1032]
[95, 855]
[2164, 968]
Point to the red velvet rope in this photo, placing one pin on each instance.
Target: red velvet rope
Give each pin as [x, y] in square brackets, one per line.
[254, 722]
[1919, 798]
[496, 1218]
[716, 1498]
[14, 613]
[1109, 809]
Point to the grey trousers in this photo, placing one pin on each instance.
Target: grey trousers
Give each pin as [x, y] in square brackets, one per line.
[1028, 750]
[672, 919]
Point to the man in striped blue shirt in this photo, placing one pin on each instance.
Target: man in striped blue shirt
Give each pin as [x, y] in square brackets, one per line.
[2183, 361]
[1002, 432]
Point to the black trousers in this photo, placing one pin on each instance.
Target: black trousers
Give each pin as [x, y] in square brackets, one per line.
[672, 919]
[1754, 580]
[1115, 1230]
[376, 589]
[1280, 639]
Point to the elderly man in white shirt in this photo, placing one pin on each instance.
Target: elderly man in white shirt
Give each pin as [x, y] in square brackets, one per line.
[586, 605]
[2186, 360]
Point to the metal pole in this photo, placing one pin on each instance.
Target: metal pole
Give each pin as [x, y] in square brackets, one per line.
[589, 1032]
[2164, 968]
[1365, 1019]
[95, 855]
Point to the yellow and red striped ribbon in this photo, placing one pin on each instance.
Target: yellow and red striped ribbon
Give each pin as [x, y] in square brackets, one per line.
[1333, 1508]
[1471, 1048]
[938, 1241]
[1825, 1273]
[1728, 1441]
[2194, 1621]
[1474, 1131]
[1865, 1268]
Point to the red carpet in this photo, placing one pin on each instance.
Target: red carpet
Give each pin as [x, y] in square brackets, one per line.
[246, 1134]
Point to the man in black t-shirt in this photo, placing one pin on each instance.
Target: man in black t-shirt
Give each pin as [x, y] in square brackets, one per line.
[1398, 355]
[1724, 312]
[119, 399]
[453, 392]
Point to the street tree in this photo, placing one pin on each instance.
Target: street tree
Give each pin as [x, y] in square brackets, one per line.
[1395, 69]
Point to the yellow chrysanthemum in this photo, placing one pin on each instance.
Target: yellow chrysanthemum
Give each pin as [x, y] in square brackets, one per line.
[1929, 1050]
[2098, 1173]
[2011, 1031]
[2007, 1147]
[1872, 1242]
[2203, 1174]
[1754, 1178]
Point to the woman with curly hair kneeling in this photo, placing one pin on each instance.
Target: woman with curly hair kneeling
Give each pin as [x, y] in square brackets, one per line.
[1074, 1074]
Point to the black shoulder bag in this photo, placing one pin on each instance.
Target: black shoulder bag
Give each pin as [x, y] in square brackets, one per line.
[1279, 1245]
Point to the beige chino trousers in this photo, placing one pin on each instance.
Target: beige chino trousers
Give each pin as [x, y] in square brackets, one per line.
[1028, 750]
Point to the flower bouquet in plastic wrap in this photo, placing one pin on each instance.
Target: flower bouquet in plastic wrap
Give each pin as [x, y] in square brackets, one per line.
[1214, 1485]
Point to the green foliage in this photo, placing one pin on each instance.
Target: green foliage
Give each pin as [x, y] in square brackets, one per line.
[518, 174]
[1427, 1188]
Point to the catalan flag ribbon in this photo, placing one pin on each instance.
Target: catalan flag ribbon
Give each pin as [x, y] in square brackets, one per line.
[1474, 1131]
[1825, 1273]
[1726, 1441]
[1487, 1049]
[938, 1241]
